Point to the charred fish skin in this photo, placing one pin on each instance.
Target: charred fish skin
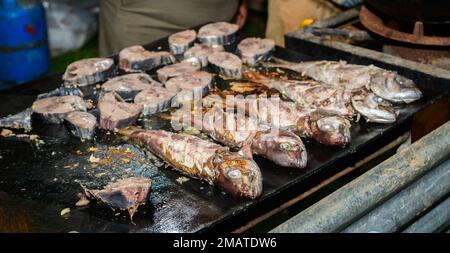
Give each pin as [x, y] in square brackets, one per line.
[288, 116]
[180, 42]
[373, 108]
[129, 85]
[136, 59]
[243, 133]
[199, 53]
[226, 64]
[254, 50]
[282, 147]
[234, 174]
[219, 33]
[386, 84]
[89, 71]
[333, 100]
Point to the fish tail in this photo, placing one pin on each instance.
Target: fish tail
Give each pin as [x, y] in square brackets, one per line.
[128, 131]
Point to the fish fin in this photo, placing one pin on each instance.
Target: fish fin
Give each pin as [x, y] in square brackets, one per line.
[246, 151]
[128, 131]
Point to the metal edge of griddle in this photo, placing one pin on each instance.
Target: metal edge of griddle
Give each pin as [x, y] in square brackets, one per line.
[323, 48]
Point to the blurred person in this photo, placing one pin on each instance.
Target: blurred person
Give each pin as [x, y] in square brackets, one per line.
[287, 15]
[136, 22]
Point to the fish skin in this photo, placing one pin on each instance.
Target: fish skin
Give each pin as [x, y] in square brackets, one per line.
[235, 174]
[288, 116]
[21, 120]
[243, 133]
[333, 100]
[386, 84]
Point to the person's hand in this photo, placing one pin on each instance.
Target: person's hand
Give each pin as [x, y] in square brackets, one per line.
[242, 14]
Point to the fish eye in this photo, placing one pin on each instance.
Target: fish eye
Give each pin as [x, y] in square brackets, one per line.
[399, 80]
[234, 174]
[285, 145]
[327, 127]
[378, 99]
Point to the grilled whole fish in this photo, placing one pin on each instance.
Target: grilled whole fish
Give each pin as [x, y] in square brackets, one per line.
[244, 133]
[326, 129]
[384, 83]
[334, 100]
[235, 174]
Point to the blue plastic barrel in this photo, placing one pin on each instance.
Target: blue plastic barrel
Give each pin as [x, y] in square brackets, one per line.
[24, 52]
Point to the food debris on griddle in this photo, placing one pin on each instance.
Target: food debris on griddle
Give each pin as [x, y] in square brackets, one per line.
[125, 194]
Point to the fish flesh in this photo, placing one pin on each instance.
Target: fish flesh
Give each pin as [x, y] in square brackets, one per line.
[226, 64]
[386, 84]
[199, 53]
[190, 86]
[254, 50]
[243, 133]
[115, 113]
[219, 33]
[177, 69]
[81, 124]
[308, 123]
[53, 110]
[127, 86]
[136, 59]
[155, 99]
[181, 41]
[21, 120]
[334, 100]
[233, 173]
[89, 71]
[125, 194]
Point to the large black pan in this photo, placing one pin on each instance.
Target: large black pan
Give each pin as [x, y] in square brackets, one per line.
[427, 11]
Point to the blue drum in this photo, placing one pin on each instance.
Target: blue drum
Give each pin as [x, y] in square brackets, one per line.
[24, 51]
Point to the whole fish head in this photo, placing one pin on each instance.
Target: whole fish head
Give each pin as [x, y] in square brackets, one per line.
[239, 176]
[331, 130]
[394, 88]
[374, 108]
[281, 147]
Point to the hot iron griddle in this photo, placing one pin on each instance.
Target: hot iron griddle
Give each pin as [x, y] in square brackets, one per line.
[36, 183]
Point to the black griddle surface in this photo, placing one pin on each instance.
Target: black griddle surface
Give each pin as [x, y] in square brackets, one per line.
[36, 183]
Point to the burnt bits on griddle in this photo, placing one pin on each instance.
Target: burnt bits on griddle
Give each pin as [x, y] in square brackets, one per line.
[125, 194]
[115, 113]
[136, 58]
[89, 71]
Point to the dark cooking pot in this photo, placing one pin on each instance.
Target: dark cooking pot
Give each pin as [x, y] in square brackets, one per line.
[427, 11]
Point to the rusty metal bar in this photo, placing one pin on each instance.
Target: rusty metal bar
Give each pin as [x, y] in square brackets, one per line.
[433, 221]
[405, 206]
[339, 209]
